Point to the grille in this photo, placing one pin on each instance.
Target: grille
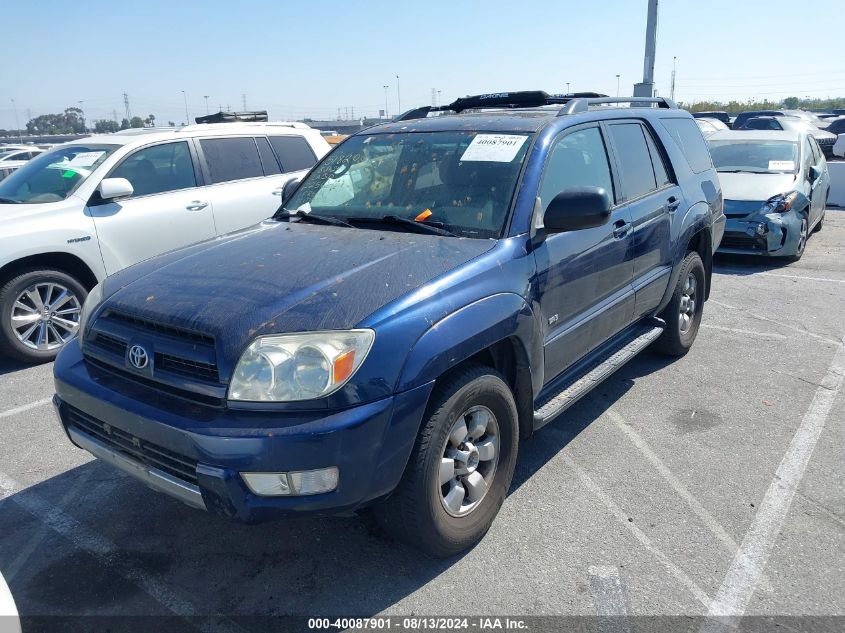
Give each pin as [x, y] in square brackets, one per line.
[147, 453]
[738, 241]
[158, 328]
[110, 344]
[188, 368]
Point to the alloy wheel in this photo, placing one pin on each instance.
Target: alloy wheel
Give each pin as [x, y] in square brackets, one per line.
[45, 316]
[469, 459]
[686, 312]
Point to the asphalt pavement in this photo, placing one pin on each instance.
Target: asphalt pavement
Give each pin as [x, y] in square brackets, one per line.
[709, 484]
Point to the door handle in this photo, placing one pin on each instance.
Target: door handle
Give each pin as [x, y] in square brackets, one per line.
[196, 205]
[621, 228]
[278, 191]
[672, 204]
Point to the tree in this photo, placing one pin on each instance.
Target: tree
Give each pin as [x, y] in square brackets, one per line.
[791, 103]
[124, 124]
[136, 121]
[171, 124]
[105, 125]
[150, 120]
[68, 122]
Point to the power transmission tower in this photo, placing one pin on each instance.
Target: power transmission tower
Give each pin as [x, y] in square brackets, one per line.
[353, 112]
[126, 106]
[114, 115]
[243, 98]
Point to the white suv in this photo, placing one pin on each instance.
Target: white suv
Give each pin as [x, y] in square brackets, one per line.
[88, 208]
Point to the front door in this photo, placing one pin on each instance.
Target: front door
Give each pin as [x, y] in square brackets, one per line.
[168, 209]
[584, 276]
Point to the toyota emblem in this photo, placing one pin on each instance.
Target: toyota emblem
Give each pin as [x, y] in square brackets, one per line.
[138, 357]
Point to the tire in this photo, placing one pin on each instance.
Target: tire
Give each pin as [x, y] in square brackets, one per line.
[19, 299]
[682, 327]
[818, 226]
[416, 512]
[802, 244]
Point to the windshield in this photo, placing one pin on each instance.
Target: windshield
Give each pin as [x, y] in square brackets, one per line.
[53, 175]
[756, 157]
[460, 181]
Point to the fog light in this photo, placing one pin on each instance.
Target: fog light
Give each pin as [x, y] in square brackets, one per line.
[297, 483]
[762, 229]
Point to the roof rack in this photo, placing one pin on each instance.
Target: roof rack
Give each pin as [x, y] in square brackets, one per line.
[572, 102]
[232, 117]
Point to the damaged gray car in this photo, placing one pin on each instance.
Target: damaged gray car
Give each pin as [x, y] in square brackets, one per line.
[775, 186]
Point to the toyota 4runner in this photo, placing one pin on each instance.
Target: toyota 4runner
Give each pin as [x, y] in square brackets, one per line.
[434, 291]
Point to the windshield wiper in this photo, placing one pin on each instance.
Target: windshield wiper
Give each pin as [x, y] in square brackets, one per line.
[312, 217]
[420, 227]
[9, 201]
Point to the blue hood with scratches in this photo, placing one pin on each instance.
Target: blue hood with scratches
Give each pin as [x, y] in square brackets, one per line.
[284, 277]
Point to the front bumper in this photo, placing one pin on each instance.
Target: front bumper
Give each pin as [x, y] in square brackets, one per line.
[778, 237]
[197, 456]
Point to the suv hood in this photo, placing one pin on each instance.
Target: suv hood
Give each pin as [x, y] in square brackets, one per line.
[755, 186]
[284, 277]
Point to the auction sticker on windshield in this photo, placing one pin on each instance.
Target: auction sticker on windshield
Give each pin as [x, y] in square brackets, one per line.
[781, 165]
[499, 148]
[85, 159]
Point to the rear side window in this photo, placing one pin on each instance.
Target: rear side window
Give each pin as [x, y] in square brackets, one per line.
[268, 159]
[689, 139]
[661, 175]
[579, 159]
[634, 159]
[231, 158]
[294, 152]
[817, 151]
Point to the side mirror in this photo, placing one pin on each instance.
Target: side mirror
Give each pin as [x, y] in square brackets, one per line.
[115, 188]
[577, 208]
[814, 174]
[289, 188]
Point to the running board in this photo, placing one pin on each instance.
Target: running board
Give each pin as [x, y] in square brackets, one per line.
[595, 372]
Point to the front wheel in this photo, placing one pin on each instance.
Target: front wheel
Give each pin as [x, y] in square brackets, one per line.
[802, 240]
[683, 314]
[39, 313]
[461, 465]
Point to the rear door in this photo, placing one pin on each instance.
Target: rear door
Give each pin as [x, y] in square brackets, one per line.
[652, 198]
[169, 208]
[584, 276]
[820, 188]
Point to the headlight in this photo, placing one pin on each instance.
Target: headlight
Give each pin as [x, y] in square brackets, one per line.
[782, 202]
[92, 302]
[290, 367]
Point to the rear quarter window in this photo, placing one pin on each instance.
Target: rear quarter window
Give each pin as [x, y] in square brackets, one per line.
[686, 134]
[293, 152]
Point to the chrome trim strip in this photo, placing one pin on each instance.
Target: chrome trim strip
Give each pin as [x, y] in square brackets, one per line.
[154, 478]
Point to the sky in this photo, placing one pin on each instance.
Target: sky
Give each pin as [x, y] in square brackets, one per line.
[314, 59]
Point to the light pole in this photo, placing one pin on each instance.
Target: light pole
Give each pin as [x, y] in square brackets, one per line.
[206, 103]
[386, 115]
[82, 115]
[567, 87]
[187, 116]
[439, 102]
[398, 97]
[617, 85]
[17, 124]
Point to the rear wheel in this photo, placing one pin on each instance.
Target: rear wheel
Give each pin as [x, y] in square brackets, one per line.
[461, 466]
[683, 314]
[39, 313]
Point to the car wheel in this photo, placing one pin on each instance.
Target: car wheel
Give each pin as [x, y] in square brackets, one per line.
[461, 465]
[683, 313]
[802, 240]
[818, 226]
[39, 313]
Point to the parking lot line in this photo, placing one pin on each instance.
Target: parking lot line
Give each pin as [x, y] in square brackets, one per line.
[734, 330]
[741, 580]
[646, 542]
[25, 407]
[107, 553]
[759, 317]
[730, 271]
[677, 485]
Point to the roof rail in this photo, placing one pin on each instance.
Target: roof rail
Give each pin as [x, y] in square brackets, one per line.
[232, 117]
[575, 106]
[572, 103]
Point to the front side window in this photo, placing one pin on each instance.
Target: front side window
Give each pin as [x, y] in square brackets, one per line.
[634, 159]
[231, 159]
[460, 181]
[157, 169]
[54, 175]
[755, 157]
[579, 159]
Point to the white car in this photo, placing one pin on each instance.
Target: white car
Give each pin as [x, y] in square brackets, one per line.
[839, 146]
[88, 208]
[18, 153]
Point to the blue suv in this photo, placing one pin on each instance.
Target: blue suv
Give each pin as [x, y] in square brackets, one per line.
[435, 290]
